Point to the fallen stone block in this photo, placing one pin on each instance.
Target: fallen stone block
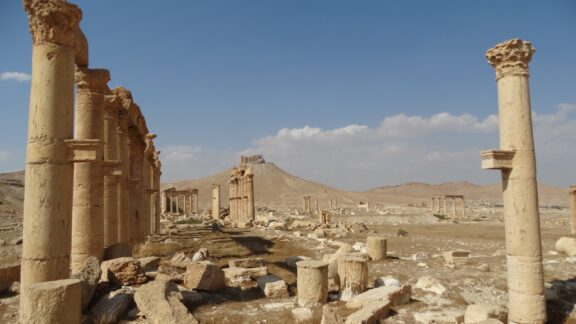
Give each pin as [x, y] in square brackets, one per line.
[445, 316]
[273, 287]
[331, 314]
[371, 313]
[303, 315]
[456, 258]
[180, 260]
[394, 295]
[8, 275]
[566, 245]
[204, 276]
[482, 312]
[110, 308]
[123, 271]
[247, 263]
[277, 225]
[89, 275]
[243, 277]
[150, 263]
[52, 302]
[431, 285]
[161, 303]
[201, 255]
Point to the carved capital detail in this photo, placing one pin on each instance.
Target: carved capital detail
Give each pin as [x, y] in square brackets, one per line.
[53, 21]
[510, 57]
[92, 80]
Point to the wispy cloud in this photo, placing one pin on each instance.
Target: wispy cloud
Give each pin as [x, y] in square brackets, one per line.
[16, 76]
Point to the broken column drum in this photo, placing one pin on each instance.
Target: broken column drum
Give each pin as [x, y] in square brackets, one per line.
[312, 283]
[353, 273]
[376, 248]
[516, 160]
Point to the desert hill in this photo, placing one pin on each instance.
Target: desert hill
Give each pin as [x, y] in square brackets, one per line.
[11, 193]
[276, 187]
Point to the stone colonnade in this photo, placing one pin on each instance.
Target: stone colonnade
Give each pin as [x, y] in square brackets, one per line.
[76, 198]
[517, 163]
[440, 205]
[241, 184]
[333, 203]
[180, 202]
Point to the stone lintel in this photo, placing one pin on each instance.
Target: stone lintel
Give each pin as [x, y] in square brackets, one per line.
[85, 150]
[497, 159]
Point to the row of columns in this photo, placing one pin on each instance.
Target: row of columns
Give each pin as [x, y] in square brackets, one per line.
[307, 209]
[241, 184]
[180, 201]
[440, 205]
[90, 172]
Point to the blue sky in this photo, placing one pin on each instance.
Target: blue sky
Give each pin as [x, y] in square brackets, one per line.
[355, 94]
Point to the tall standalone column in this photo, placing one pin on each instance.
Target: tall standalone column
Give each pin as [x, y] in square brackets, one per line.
[48, 182]
[157, 174]
[87, 211]
[215, 201]
[572, 193]
[251, 215]
[516, 160]
[112, 170]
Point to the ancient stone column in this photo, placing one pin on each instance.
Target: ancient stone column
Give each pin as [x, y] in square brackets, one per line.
[87, 211]
[251, 216]
[316, 204]
[216, 201]
[432, 206]
[112, 172]
[353, 273]
[136, 157]
[124, 202]
[454, 206]
[516, 160]
[376, 248]
[48, 183]
[312, 283]
[157, 175]
[572, 194]
[445, 206]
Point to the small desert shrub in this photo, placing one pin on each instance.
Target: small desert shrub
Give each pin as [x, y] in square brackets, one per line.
[401, 232]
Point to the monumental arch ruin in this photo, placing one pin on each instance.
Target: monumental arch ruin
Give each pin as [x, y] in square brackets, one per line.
[89, 181]
[241, 184]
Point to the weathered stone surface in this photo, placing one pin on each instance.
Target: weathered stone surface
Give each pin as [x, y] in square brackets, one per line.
[89, 274]
[247, 263]
[376, 247]
[273, 287]
[332, 260]
[370, 313]
[124, 271]
[331, 315]
[118, 250]
[303, 315]
[150, 263]
[312, 283]
[243, 277]
[204, 276]
[445, 316]
[52, 302]
[8, 275]
[387, 281]
[277, 225]
[180, 260]
[110, 308]
[17, 241]
[481, 312]
[431, 285]
[566, 245]
[353, 273]
[301, 224]
[394, 295]
[161, 302]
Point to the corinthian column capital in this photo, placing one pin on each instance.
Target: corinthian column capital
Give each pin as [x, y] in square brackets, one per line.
[92, 80]
[53, 21]
[510, 57]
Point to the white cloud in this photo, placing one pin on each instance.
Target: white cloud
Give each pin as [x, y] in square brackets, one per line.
[442, 147]
[179, 153]
[17, 76]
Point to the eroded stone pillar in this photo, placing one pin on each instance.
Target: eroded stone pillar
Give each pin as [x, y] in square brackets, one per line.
[251, 211]
[48, 182]
[87, 211]
[124, 203]
[517, 162]
[216, 201]
[157, 175]
[112, 171]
